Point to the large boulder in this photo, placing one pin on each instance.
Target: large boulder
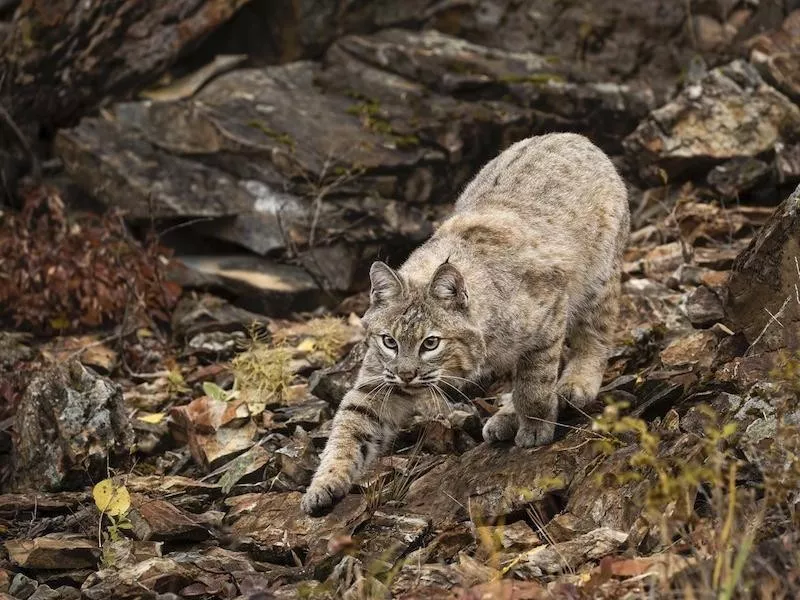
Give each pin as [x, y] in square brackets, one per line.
[70, 426]
[63, 58]
[729, 113]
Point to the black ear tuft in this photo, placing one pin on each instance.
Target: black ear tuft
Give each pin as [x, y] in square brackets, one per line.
[386, 283]
[448, 285]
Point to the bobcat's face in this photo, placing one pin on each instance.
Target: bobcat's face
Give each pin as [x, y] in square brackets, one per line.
[422, 337]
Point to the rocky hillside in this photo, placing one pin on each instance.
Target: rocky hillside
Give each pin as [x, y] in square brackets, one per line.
[191, 193]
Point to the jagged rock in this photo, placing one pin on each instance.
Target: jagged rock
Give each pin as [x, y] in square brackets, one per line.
[333, 383]
[704, 307]
[160, 521]
[303, 30]
[213, 328]
[514, 537]
[729, 113]
[776, 54]
[22, 587]
[71, 424]
[739, 175]
[45, 592]
[14, 348]
[307, 415]
[122, 170]
[60, 552]
[762, 293]
[204, 313]
[694, 349]
[298, 459]
[454, 68]
[316, 147]
[65, 59]
[553, 559]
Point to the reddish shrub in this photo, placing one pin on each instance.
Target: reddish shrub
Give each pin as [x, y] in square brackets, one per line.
[62, 272]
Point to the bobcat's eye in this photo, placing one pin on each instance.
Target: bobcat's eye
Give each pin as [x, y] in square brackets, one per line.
[390, 342]
[430, 343]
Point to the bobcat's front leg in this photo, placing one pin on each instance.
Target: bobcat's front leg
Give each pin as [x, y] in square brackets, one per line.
[534, 395]
[365, 424]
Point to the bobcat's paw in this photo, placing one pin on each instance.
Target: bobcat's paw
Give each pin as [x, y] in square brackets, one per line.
[534, 433]
[323, 494]
[500, 427]
[577, 391]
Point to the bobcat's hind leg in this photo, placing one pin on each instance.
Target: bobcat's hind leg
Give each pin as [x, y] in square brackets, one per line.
[590, 339]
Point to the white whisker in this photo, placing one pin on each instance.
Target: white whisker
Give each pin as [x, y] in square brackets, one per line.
[450, 385]
[447, 408]
[470, 381]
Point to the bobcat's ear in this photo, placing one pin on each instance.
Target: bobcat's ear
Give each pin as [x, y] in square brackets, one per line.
[386, 283]
[448, 285]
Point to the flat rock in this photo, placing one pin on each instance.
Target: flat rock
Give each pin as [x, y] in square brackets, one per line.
[261, 285]
[68, 552]
[494, 481]
[145, 579]
[737, 176]
[276, 529]
[298, 458]
[764, 282]
[569, 555]
[71, 423]
[161, 485]
[704, 307]
[160, 521]
[694, 349]
[729, 113]
[514, 537]
[41, 502]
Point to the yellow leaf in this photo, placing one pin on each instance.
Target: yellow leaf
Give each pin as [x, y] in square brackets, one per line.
[112, 500]
[59, 323]
[728, 430]
[307, 345]
[152, 418]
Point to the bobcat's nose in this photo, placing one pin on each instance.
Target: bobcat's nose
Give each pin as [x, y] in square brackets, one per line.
[406, 375]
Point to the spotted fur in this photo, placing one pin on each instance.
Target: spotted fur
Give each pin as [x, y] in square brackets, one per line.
[530, 259]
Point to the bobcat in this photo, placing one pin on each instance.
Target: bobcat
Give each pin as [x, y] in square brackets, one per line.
[530, 259]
